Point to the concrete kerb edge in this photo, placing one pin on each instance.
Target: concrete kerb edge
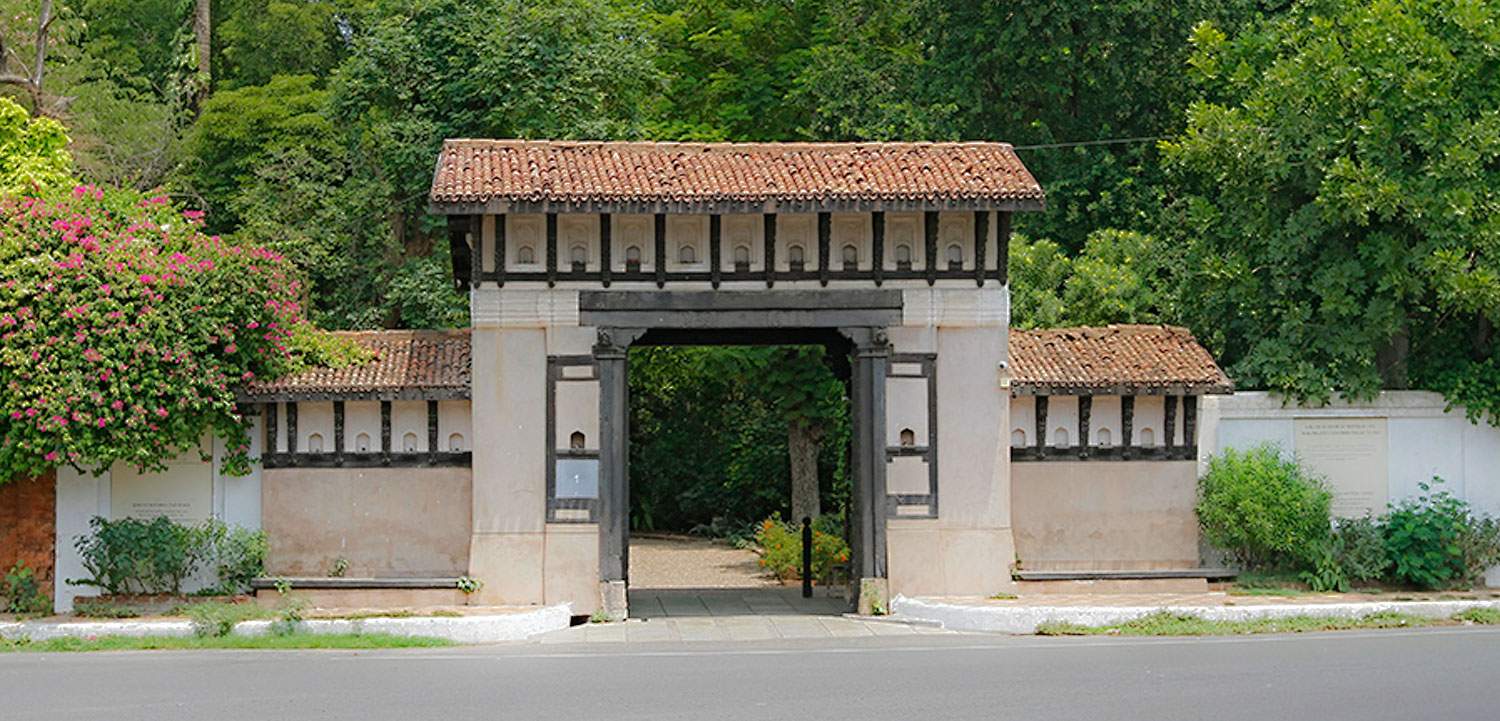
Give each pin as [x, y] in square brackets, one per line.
[1024, 620]
[497, 628]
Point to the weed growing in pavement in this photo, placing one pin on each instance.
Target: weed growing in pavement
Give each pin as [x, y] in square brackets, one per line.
[1169, 623]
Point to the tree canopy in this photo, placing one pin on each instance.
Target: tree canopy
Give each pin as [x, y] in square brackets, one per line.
[1340, 198]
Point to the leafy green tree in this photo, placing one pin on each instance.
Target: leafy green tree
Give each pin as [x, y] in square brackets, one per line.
[1340, 182]
[1038, 270]
[33, 152]
[1119, 277]
[731, 68]
[257, 40]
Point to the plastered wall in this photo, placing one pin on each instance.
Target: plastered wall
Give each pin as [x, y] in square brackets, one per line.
[386, 522]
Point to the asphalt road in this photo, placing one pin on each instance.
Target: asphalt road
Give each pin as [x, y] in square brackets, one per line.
[1444, 674]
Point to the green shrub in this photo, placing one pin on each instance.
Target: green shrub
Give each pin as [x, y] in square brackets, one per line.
[781, 548]
[1268, 512]
[129, 555]
[1436, 541]
[23, 592]
[1327, 572]
[1360, 546]
[236, 555]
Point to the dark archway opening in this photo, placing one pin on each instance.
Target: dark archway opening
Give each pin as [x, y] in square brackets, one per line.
[720, 426]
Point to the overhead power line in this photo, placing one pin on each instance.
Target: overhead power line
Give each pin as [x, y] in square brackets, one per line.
[1111, 141]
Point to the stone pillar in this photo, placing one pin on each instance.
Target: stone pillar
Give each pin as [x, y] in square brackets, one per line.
[612, 354]
[868, 516]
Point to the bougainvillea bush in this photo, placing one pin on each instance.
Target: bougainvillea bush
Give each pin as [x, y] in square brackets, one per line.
[124, 330]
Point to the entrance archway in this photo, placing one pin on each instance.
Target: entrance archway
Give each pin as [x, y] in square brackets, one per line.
[852, 322]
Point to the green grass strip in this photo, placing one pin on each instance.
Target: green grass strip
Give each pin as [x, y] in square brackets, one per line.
[290, 641]
[1168, 623]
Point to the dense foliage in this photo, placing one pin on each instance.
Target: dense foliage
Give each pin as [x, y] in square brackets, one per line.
[1342, 207]
[1435, 540]
[709, 434]
[1264, 509]
[158, 556]
[22, 592]
[1271, 516]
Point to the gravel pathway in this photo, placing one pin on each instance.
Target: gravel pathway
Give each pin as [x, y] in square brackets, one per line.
[678, 562]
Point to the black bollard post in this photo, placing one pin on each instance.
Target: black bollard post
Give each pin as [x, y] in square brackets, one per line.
[807, 542]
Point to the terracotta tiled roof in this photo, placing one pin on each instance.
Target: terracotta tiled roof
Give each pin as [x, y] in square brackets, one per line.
[1131, 358]
[587, 174]
[408, 364]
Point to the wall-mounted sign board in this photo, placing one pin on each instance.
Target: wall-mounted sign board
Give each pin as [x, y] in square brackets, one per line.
[1353, 454]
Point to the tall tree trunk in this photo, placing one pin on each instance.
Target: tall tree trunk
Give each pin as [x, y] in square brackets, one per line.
[802, 443]
[203, 39]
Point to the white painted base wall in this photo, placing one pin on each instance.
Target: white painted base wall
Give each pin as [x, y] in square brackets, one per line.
[81, 496]
[1423, 440]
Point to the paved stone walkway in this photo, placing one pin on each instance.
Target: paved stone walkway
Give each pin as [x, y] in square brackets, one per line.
[763, 614]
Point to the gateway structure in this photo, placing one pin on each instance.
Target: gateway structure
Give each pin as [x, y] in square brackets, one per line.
[893, 253]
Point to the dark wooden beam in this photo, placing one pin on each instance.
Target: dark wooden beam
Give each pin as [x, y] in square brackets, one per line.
[551, 249]
[981, 235]
[291, 428]
[432, 430]
[1190, 423]
[368, 460]
[715, 250]
[1085, 410]
[825, 240]
[270, 412]
[460, 256]
[930, 245]
[1041, 426]
[500, 249]
[606, 261]
[476, 250]
[877, 247]
[338, 432]
[1170, 422]
[1002, 247]
[385, 431]
[1127, 424]
[769, 240]
[661, 250]
[614, 458]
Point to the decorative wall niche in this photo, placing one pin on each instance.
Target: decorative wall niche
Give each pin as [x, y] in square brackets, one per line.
[796, 257]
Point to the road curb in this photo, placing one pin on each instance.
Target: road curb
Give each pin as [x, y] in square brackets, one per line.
[1024, 620]
[495, 628]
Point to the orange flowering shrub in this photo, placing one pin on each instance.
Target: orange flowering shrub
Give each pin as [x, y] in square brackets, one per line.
[781, 549]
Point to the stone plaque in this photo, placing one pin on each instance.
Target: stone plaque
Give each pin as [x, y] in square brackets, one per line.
[1352, 453]
[184, 492]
